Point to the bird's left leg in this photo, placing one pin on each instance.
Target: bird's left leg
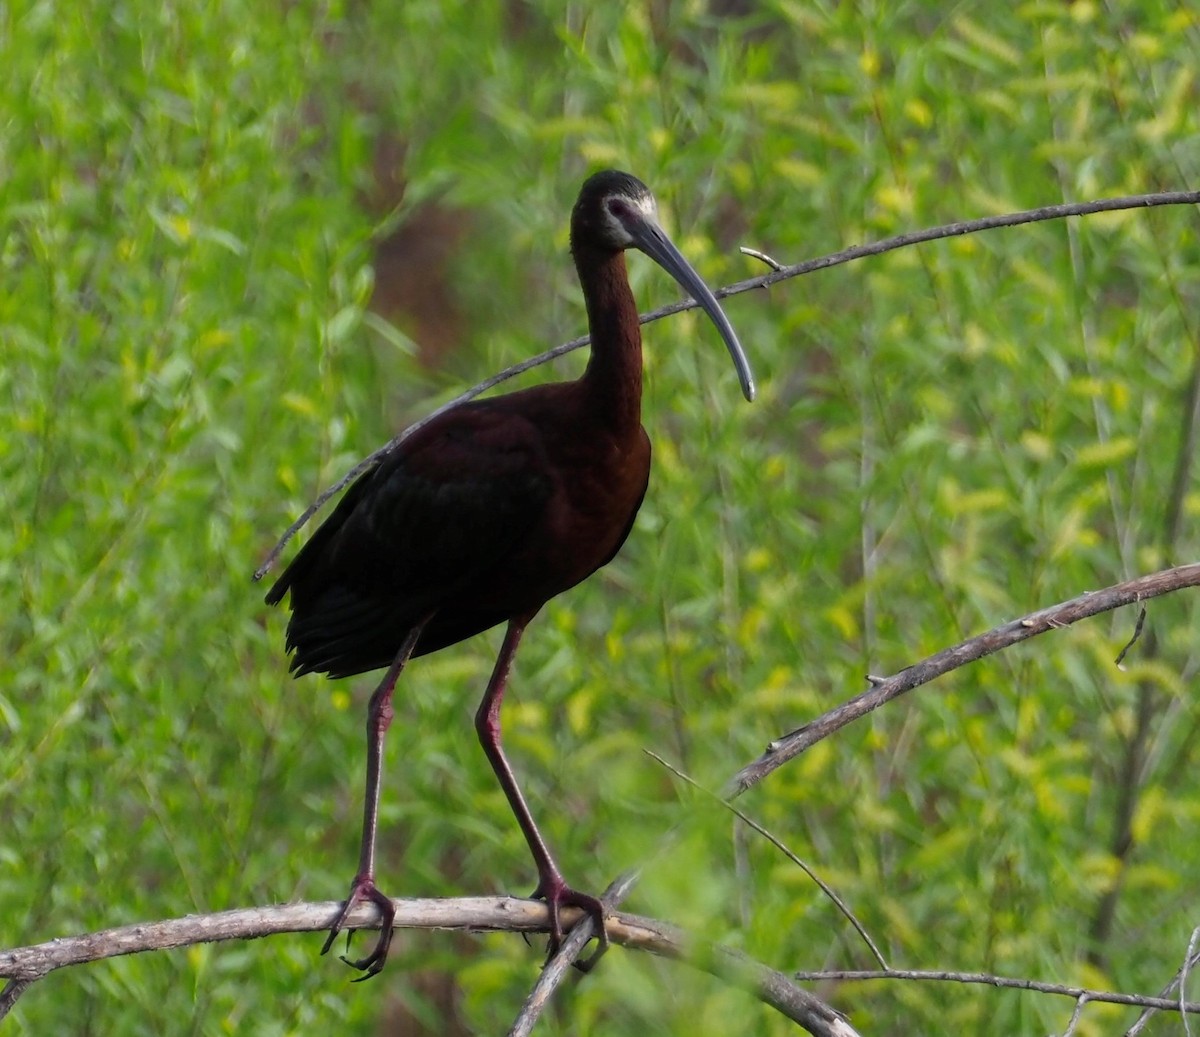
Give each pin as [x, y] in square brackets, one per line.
[551, 885]
[379, 719]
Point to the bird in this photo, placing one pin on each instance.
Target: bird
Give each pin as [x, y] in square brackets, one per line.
[482, 516]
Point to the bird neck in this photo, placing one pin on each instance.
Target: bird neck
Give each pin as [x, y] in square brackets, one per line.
[613, 379]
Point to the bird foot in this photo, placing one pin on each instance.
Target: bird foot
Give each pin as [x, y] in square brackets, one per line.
[558, 894]
[362, 889]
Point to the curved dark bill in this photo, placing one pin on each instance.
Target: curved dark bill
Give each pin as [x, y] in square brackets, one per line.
[652, 239]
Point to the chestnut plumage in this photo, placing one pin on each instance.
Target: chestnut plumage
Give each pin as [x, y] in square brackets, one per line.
[488, 512]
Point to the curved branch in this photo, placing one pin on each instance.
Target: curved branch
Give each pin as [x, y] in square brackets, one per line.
[830, 893]
[783, 749]
[25, 965]
[781, 273]
[1090, 603]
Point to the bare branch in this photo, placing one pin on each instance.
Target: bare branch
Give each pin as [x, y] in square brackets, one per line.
[770, 986]
[762, 257]
[11, 992]
[1137, 633]
[509, 914]
[781, 273]
[1091, 603]
[1076, 1015]
[556, 969]
[936, 976]
[825, 888]
[1190, 960]
[949, 230]
[25, 965]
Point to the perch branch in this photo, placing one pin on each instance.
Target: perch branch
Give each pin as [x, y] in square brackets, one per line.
[25, 965]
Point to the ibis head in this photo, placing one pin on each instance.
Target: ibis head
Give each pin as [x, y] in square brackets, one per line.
[616, 211]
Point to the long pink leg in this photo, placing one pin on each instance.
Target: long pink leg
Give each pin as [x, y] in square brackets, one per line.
[551, 885]
[379, 719]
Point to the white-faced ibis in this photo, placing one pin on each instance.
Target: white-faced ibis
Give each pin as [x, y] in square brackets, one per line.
[484, 515]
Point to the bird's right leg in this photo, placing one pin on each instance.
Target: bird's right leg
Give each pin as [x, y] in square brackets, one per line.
[551, 886]
[379, 719]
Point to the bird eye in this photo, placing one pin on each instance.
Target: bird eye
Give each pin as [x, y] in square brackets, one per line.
[620, 208]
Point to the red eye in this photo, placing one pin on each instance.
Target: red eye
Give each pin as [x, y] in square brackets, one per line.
[620, 208]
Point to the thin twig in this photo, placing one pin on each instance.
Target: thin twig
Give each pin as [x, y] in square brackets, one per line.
[558, 967]
[11, 992]
[949, 230]
[1188, 959]
[1137, 632]
[1179, 980]
[762, 257]
[782, 848]
[1076, 1015]
[1005, 982]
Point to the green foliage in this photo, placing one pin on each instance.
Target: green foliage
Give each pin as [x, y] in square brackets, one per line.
[946, 438]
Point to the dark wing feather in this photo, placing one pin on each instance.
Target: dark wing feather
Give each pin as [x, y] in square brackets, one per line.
[319, 541]
[417, 532]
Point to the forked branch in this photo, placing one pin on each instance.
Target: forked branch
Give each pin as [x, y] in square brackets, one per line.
[23, 966]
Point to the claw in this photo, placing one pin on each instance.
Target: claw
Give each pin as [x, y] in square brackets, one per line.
[362, 889]
[557, 895]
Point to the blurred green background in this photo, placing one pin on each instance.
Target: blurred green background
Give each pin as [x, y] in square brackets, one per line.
[242, 244]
